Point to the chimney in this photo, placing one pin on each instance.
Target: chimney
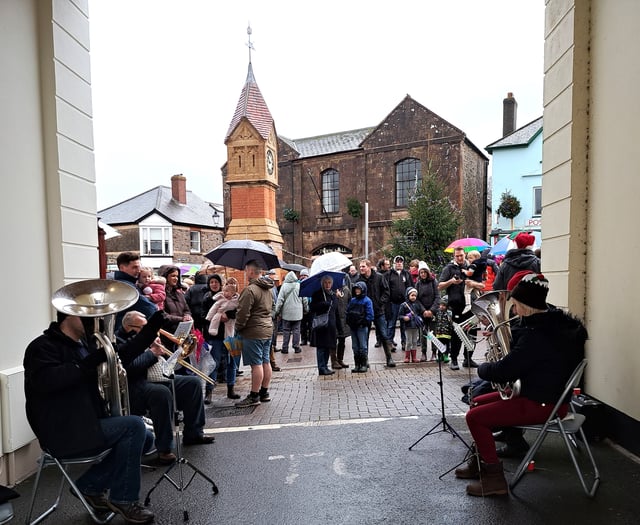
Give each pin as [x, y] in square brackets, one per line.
[179, 188]
[509, 114]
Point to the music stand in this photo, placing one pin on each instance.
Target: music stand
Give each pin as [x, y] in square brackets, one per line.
[446, 427]
[180, 461]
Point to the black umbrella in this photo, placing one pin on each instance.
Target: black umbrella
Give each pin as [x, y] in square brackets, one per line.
[293, 267]
[238, 252]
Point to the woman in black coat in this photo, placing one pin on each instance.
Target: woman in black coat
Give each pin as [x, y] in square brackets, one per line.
[325, 338]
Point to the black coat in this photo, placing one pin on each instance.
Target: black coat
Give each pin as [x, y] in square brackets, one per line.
[545, 349]
[327, 336]
[62, 400]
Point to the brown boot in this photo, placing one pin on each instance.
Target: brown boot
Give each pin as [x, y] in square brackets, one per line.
[340, 354]
[492, 482]
[471, 470]
[334, 360]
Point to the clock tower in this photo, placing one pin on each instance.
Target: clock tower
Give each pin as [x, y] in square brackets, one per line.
[252, 169]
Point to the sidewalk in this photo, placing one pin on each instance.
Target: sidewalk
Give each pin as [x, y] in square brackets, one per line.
[299, 394]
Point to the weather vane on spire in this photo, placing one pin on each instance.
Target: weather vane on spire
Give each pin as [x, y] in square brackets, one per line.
[250, 43]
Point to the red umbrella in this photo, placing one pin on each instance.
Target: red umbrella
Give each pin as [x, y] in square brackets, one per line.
[468, 243]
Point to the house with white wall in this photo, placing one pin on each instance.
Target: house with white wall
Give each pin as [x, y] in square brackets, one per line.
[516, 167]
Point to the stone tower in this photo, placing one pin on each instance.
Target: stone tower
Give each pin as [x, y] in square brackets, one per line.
[252, 169]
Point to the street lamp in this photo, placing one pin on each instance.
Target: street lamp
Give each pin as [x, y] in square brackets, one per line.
[216, 217]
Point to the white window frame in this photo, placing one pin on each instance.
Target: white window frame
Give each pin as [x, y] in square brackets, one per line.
[195, 244]
[537, 197]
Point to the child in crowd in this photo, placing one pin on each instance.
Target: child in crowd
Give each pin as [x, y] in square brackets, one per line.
[152, 287]
[411, 314]
[413, 271]
[474, 272]
[443, 330]
[359, 315]
[225, 300]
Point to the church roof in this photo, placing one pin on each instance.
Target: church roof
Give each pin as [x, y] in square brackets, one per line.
[327, 144]
[159, 200]
[252, 107]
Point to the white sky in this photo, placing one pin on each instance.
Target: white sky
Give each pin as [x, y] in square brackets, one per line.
[167, 75]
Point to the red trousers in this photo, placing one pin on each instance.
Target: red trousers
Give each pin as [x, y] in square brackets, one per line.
[489, 412]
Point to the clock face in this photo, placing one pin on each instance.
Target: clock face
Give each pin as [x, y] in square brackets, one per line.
[270, 162]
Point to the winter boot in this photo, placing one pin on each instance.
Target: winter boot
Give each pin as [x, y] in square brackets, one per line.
[386, 344]
[492, 481]
[231, 394]
[407, 356]
[357, 367]
[340, 353]
[472, 469]
[423, 358]
[334, 360]
[413, 355]
[365, 362]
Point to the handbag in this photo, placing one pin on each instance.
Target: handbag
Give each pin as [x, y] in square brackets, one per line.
[155, 372]
[320, 320]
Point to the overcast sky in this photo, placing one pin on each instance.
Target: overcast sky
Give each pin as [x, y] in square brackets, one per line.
[167, 75]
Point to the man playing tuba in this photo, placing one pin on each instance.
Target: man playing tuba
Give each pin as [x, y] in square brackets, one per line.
[68, 416]
[546, 346]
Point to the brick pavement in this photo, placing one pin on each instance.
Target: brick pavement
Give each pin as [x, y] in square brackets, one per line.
[300, 395]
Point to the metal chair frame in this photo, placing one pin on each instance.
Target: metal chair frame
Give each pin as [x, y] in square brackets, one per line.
[46, 460]
[567, 427]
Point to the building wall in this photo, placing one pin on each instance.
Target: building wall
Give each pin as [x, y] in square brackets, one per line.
[589, 191]
[519, 170]
[46, 146]
[368, 175]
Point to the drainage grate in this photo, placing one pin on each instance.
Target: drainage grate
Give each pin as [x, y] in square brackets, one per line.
[230, 411]
[294, 360]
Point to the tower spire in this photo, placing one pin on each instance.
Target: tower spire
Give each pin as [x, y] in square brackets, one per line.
[249, 42]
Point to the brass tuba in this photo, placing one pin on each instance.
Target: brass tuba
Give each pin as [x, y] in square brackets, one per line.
[97, 301]
[492, 309]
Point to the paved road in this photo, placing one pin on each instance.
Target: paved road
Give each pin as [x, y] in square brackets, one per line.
[335, 449]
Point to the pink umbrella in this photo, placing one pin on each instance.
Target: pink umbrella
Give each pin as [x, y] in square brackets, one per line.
[468, 243]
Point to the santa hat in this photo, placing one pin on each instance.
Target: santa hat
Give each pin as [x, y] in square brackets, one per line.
[524, 240]
[529, 288]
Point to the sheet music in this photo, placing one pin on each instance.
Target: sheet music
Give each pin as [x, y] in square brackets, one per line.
[183, 330]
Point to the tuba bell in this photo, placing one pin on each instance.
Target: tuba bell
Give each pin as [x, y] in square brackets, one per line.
[97, 301]
[492, 309]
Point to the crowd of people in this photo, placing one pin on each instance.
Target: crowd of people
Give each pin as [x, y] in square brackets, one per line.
[60, 365]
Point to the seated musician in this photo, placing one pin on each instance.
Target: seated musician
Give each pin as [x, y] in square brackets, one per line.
[67, 414]
[155, 398]
[547, 345]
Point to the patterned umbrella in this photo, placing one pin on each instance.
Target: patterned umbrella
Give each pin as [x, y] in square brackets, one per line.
[468, 243]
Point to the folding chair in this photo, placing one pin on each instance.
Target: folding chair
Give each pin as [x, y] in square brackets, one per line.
[568, 427]
[46, 460]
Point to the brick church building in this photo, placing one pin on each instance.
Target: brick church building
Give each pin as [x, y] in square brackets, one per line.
[307, 196]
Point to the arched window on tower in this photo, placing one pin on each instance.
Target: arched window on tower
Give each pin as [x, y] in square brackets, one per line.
[330, 191]
[408, 180]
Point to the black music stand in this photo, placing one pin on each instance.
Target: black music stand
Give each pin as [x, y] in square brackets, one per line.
[446, 427]
[180, 484]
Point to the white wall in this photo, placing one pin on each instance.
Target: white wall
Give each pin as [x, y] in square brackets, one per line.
[591, 184]
[48, 234]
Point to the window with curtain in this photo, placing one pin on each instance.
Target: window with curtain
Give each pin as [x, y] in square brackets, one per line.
[155, 240]
[195, 241]
[408, 180]
[330, 191]
[537, 200]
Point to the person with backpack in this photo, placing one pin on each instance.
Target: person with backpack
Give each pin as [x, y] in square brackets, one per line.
[359, 316]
